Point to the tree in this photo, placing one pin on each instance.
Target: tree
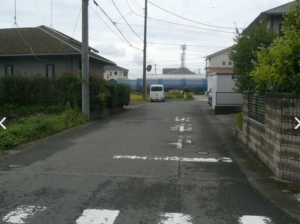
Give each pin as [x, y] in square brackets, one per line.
[278, 66]
[243, 54]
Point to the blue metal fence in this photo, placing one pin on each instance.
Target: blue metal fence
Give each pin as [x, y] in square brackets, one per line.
[196, 85]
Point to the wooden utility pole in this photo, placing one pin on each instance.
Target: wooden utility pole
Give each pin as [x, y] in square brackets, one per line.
[85, 59]
[145, 51]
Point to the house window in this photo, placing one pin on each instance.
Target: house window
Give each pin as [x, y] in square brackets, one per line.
[49, 70]
[107, 76]
[9, 70]
[229, 63]
[116, 73]
[281, 34]
[110, 73]
[223, 63]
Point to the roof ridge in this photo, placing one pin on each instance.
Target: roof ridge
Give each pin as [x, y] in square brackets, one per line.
[278, 6]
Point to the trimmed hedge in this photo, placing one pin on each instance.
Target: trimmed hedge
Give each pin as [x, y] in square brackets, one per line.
[22, 90]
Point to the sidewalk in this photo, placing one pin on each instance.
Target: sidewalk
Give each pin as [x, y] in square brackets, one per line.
[283, 194]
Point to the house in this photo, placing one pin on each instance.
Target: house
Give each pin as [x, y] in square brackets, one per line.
[115, 72]
[218, 62]
[168, 70]
[273, 17]
[43, 50]
[177, 71]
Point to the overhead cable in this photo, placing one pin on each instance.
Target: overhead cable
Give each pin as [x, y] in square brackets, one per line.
[190, 19]
[126, 21]
[182, 24]
[116, 26]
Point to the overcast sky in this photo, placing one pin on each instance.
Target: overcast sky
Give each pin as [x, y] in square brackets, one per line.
[164, 39]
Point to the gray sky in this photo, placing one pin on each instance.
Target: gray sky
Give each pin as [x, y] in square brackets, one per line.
[164, 39]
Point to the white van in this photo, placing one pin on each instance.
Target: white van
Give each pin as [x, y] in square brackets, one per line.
[157, 93]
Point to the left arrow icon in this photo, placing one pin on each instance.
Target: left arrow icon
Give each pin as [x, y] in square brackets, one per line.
[298, 122]
[2, 122]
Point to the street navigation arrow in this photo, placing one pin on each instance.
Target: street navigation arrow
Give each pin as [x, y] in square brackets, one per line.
[298, 122]
[2, 122]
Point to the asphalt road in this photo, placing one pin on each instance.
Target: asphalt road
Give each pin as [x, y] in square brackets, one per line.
[140, 166]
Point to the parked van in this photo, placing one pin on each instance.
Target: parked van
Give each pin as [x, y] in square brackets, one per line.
[157, 93]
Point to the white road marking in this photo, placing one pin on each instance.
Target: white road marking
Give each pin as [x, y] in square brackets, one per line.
[175, 218]
[174, 158]
[179, 143]
[181, 128]
[96, 216]
[189, 141]
[21, 213]
[177, 119]
[182, 119]
[250, 219]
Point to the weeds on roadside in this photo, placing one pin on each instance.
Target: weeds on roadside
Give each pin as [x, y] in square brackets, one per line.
[38, 126]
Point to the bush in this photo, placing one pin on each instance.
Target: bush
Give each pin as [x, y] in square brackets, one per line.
[37, 126]
[190, 96]
[20, 93]
[239, 119]
[278, 66]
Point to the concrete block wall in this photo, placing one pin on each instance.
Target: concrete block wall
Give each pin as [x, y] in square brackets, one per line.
[277, 142]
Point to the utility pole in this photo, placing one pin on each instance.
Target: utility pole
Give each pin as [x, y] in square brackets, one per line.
[155, 68]
[145, 51]
[85, 59]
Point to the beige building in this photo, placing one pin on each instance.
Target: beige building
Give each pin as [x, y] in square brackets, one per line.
[115, 72]
[218, 62]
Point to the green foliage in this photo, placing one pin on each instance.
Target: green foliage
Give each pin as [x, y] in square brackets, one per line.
[278, 66]
[186, 90]
[190, 96]
[118, 95]
[239, 119]
[19, 93]
[38, 126]
[244, 53]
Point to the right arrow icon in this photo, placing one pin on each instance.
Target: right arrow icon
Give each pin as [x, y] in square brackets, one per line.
[298, 122]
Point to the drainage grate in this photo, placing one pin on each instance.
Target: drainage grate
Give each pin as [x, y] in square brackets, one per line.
[17, 165]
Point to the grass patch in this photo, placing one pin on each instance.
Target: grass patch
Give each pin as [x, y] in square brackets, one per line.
[239, 119]
[179, 96]
[137, 98]
[37, 126]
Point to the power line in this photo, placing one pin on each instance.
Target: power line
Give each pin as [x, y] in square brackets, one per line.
[115, 26]
[183, 24]
[178, 30]
[107, 25]
[126, 21]
[137, 6]
[77, 20]
[190, 19]
[187, 44]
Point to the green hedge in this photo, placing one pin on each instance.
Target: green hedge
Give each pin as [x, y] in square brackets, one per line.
[22, 90]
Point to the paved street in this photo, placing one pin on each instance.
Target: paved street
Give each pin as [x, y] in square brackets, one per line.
[155, 163]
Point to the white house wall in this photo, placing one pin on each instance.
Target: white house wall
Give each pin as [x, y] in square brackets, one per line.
[120, 75]
[216, 61]
[223, 93]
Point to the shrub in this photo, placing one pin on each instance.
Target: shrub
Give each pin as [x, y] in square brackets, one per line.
[190, 96]
[239, 119]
